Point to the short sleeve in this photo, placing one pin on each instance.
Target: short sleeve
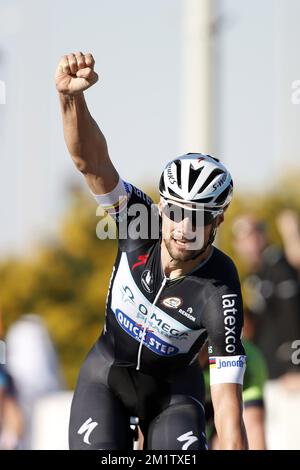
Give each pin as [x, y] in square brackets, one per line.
[134, 212]
[116, 200]
[223, 320]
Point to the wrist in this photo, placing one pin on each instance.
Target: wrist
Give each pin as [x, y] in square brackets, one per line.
[69, 101]
[70, 96]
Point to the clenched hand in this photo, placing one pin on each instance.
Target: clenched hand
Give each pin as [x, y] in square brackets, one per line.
[75, 73]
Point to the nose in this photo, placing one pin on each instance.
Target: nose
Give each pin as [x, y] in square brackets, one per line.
[185, 227]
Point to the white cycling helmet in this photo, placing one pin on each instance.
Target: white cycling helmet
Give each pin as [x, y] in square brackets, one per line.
[198, 180]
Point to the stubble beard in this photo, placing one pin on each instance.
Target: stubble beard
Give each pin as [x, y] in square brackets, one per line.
[178, 254]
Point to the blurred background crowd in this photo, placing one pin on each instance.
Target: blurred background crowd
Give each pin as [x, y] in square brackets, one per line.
[212, 76]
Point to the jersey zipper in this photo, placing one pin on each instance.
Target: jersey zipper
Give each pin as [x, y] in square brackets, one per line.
[147, 323]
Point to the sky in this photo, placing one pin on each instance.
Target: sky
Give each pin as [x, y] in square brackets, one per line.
[258, 133]
[138, 46]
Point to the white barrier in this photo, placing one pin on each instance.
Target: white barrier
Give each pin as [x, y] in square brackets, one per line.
[282, 417]
[50, 422]
[51, 419]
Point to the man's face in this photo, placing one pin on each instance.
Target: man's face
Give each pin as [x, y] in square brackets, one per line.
[185, 232]
[249, 239]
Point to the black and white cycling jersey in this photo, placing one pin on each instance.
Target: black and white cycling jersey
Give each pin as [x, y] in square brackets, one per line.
[145, 362]
[159, 324]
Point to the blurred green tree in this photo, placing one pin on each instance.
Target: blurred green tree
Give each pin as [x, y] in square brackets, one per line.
[65, 282]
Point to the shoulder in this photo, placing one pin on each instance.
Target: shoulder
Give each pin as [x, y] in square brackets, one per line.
[219, 273]
[221, 260]
[223, 298]
[138, 196]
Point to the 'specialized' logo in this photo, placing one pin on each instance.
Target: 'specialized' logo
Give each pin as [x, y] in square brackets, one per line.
[147, 281]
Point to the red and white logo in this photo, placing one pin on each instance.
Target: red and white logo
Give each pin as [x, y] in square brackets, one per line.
[142, 259]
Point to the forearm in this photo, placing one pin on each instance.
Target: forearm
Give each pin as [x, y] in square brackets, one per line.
[231, 432]
[228, 408]
[86, 143]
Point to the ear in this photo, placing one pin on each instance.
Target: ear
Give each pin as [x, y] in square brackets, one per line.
[220, 219]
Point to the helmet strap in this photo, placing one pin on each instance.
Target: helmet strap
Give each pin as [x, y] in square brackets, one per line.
[210, 240]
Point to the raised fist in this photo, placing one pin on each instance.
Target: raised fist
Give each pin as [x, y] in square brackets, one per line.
[75, 73]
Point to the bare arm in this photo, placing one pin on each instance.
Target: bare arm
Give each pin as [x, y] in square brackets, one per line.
[255, 427]
[227, 402]
[288, 226]
[85, 141]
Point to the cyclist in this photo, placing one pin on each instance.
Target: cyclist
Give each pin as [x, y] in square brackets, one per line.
[168, 293]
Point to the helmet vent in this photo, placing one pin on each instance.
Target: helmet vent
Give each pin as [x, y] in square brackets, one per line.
[172, 193]
[162, 186]
[178, 172]
[214, 158]
[223, 196]
[193, 176]
[210, 178]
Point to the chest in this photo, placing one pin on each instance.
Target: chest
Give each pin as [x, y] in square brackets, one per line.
[168, 312]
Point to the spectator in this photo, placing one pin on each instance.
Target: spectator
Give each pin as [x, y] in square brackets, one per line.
[33, 364]
[288, 227]
[11, 419]
[273, 295]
